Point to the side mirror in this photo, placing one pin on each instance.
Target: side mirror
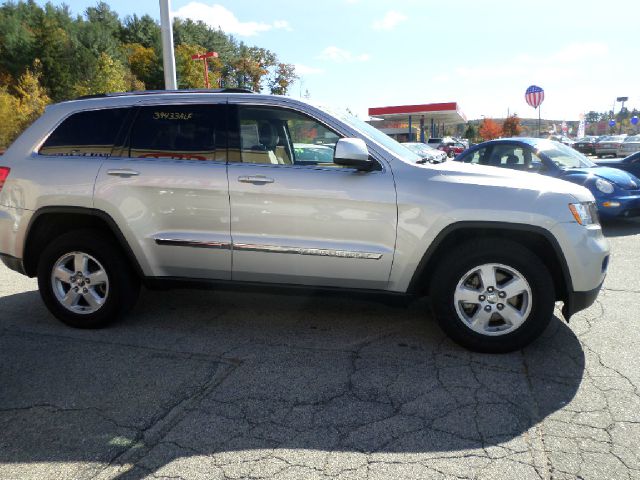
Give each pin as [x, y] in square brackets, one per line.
[353, 152]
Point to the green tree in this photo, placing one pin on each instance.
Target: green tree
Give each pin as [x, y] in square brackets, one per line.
[471, 133]
[144, 64]
[31, 96]
[10, 125]
[142, 30]
[109, 76]
[190, 73]
[282, 78]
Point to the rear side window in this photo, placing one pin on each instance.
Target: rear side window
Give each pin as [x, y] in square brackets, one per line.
[180, 132]
[91, 134]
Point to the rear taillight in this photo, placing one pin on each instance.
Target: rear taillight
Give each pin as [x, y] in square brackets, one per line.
[4, 173]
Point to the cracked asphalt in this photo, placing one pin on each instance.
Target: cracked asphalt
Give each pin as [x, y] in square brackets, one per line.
[226, 385]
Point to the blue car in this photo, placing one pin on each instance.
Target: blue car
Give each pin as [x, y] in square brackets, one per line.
[617, 192]
[630, 164]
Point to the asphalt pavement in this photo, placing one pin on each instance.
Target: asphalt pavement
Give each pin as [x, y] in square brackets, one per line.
[200, 384]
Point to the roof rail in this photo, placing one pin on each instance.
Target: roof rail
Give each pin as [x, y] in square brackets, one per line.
[156, 92]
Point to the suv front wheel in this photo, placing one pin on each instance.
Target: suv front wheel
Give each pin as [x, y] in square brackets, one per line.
[85, 281]
[492, 295]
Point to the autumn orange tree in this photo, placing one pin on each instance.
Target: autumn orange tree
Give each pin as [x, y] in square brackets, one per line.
[489, 129]
[511, 126]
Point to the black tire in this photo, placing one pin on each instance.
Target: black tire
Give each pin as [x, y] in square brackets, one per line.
[123, 283]
[456, 265]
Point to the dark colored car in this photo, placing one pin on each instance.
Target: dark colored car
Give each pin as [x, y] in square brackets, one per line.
[617, 192]
[629, 164]
[586, 145]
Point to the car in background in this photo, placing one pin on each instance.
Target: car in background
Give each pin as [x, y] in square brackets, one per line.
[452, 148]
[427, 153]
[435, 142]
[609, 145]
[562, 139]
[310, 153]
[629, 164]
[617, 192]
[586, 145]
[630, 145]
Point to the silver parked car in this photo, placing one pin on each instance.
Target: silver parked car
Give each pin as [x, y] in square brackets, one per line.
[220, 188]
[630, 146]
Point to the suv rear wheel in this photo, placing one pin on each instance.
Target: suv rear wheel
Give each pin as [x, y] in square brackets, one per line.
[492, 295]
[85, 281]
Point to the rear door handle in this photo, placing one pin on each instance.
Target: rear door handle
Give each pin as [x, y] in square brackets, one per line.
[122, 172]
[255, 179]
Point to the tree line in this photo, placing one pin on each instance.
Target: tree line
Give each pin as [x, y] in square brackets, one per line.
[49, 55]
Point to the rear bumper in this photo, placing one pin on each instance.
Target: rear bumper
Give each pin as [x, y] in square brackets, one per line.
[577, 301]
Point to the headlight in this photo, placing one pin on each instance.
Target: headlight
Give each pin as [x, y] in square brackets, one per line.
[585, 213]
[604, 186]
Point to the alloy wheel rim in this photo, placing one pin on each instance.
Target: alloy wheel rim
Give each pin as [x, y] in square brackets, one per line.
[493, 299]
[80, 283]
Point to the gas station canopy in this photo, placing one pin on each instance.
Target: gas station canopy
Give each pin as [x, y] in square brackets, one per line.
[416, 122]
[440, 113]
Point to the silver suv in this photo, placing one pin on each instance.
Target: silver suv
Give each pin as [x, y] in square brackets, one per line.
[223, 188]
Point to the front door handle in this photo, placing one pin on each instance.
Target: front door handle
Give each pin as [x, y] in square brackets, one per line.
[255, 179]
[122, 172]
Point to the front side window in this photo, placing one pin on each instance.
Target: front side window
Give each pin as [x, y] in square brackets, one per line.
[479, 157]
[89, 134]
[179, 132]
[283, 137]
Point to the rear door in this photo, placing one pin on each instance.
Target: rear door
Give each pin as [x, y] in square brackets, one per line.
[166, 188]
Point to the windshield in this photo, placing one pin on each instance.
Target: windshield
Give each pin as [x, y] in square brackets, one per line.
[377, 136]
[633, 138]
[563, 156]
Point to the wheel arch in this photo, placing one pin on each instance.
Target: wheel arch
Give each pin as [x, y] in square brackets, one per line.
[537, 239]
[50, 222]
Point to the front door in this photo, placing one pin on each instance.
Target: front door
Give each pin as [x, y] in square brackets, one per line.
[296, 217]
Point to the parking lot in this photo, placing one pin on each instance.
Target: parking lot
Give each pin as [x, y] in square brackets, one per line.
[200, 384]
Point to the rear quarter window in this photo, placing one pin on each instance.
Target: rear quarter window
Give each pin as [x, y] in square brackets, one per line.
[91, 134]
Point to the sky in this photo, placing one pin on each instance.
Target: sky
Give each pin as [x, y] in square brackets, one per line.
[482, 54]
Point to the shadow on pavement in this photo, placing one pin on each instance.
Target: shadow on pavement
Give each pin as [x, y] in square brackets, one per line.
[212, 374]
[621, 227]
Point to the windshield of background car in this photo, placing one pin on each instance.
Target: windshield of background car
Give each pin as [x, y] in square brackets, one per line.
[633, 138]
[377, 136]
[564, 157]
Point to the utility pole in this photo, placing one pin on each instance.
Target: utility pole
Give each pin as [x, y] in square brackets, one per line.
[204, 57]
[621, 99]
[168, 58]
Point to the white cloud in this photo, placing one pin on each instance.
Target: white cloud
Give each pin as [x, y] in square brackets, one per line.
[307, 70]
[342, 56]
[389, 21]
[217, 16]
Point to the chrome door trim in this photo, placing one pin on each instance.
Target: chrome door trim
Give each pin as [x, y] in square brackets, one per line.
[249, 247]
[193, 243]
[320, 252]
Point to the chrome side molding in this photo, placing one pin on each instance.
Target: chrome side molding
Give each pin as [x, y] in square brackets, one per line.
[248, 247]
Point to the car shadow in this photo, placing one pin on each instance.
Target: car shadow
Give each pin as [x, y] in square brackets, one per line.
[192, 373]
[621, 227]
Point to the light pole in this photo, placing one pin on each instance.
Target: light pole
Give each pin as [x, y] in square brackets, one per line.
[621, 99]
[168, 58]
[204, 57]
